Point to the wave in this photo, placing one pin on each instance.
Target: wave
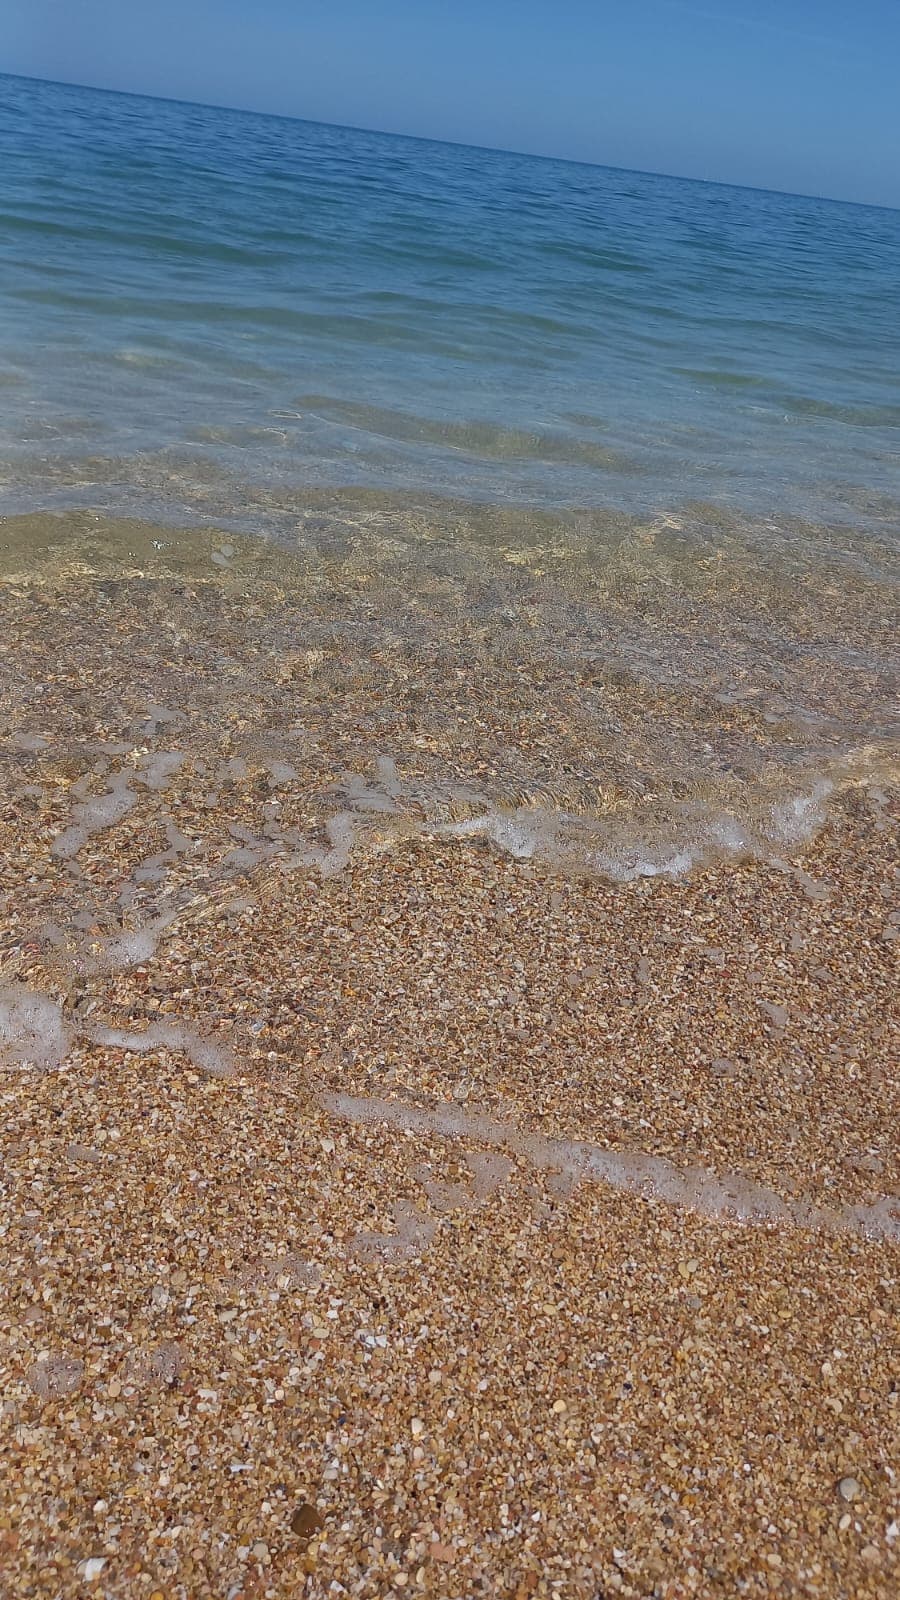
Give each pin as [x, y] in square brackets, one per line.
[487, 440]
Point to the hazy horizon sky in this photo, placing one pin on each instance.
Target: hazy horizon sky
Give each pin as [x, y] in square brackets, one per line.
[799, 95]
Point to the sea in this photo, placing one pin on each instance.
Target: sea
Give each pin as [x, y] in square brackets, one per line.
[648, 427]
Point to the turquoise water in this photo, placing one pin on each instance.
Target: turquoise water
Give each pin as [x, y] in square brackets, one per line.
[196, 301]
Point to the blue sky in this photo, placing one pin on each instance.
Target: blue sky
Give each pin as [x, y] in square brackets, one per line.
[786, 94]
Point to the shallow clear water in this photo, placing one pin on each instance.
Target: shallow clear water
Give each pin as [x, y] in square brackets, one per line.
[587, 482]
[288, 303]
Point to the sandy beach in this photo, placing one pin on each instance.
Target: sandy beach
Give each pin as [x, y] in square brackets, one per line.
[392, 1204]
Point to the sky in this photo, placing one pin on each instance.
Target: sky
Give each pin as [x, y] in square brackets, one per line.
[783, 94]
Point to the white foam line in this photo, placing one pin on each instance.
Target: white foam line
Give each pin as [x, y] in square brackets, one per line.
[341, 834]
[104, 810]
[132, 946]
[93, 816]
[208, 1057]
[152, 869]
[731, 1198]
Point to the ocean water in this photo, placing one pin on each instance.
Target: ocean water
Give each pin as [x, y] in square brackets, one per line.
[646, 429]
[302, 303]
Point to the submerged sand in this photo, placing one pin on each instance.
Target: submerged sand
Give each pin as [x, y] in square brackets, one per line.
[394, 1203]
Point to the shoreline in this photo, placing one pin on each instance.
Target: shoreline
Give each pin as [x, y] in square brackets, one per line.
[418, 1216]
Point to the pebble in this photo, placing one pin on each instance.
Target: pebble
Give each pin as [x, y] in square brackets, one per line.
[849, 1489]
[91, 1569]
[306, 1521]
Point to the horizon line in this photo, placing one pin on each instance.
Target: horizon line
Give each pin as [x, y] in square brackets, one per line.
[457, 144]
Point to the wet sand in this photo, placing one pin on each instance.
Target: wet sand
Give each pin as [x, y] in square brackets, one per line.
[393, 1204]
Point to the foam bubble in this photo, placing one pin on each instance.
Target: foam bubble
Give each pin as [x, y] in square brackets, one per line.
[213, 1059]
[134, 946]
[32, 1031]
[159, 766]
[30, 744]
[153, 869]
[518, 835]
[796, 818]
[414, 1233]
[92, 816]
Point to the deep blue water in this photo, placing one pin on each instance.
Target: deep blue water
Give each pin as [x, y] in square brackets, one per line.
[191, 295]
